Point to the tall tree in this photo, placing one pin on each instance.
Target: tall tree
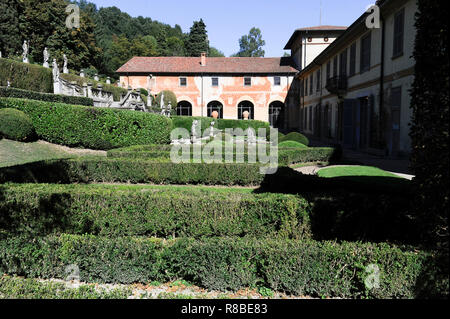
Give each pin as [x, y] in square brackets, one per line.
[10, 37]
[430, 139]
[251, 45]
[197, 41]
[213, 52]
[175, 47]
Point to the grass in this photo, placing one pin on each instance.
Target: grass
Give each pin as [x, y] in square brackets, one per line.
[107, 188]
[347, 171]
[16, 153]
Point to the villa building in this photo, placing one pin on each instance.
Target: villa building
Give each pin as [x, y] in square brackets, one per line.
[347, 86]
[356, 91]
[229, 86]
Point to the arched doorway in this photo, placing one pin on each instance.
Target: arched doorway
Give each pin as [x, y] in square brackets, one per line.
[184, 108]
[276, 114]
[215, 106]
[246, 106]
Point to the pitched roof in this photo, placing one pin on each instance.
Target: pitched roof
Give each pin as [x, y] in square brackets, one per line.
[320, 28]
[188, 65]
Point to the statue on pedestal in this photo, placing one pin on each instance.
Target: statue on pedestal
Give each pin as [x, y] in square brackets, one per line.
[55, 71]
[25, 52]
[46, 56]
[194, 134]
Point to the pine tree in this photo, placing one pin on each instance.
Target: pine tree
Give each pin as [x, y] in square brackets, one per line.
[197, 41]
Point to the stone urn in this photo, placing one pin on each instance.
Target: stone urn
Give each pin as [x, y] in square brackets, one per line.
[215, 115]
[246, 114]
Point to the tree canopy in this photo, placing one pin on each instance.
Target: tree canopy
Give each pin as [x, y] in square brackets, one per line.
[251, 45]
[106, 39]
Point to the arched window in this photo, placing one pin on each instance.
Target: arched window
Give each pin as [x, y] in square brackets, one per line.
[276, 114]
[184, 108]
[246, 106]
[215, 106]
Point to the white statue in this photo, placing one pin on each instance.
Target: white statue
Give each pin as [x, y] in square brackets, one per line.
[65, 69]
[194, 131]
[251, 136]
[46, 56]
[82, 73]
[211, 131]
[55, 71]
[25, 52]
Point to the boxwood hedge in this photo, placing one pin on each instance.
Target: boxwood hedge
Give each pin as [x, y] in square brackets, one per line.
[296, 267]
[89, 127]
[157, 171]
[25, 76]
[48, 97]
[286, 155]
[41, 209]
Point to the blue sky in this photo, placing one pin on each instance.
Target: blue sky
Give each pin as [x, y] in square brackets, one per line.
[228, 20]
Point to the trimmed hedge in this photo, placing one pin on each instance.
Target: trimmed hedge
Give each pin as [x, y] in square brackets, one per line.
[286, 156]
[165, 211]
[115, 90]
[295, 267]
[89, 127]
[296, 137]
[292, 144]
[41, 209]
[26, 76]
[48, 97]
[158, 171]
[16, 125]
[186, 122]
[220, 124]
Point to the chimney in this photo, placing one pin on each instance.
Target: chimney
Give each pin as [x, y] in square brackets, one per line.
[203, 59]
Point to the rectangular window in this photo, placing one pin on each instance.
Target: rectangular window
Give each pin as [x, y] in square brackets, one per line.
[328, 70]
[183, 82]
[335, 66]
[306, 87]
[215, 81]
[311, 85]
[343, 63]
[318, 81]
[353, 59]
[365, 53]
[399, 26]
[247, 81]
[277, 81]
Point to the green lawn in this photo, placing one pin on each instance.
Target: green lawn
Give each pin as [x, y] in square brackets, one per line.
[346, 171]
[17, 153]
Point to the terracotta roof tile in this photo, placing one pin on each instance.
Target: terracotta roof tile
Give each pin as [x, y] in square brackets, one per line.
[185, 65]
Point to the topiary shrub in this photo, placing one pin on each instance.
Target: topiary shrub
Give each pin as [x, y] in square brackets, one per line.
[281, 136]
[169, 96]
[16, 125]
[292, 144]
[297, 137]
